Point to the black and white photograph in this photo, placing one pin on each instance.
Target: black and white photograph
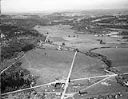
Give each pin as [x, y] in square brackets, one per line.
[63, 49]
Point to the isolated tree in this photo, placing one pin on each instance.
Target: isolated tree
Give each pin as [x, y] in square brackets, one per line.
[63, 44]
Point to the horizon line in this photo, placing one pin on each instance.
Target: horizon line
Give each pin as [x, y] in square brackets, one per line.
[70, 10]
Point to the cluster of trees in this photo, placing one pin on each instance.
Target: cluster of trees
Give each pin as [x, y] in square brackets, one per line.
[12, 31]
[124, 33]
[15, 78]
[115, 26]
[14, 47]
[88, 24]
[27, 23]
[15, 41]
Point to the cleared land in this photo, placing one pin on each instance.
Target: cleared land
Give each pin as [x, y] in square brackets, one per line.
[87, 67]
[48, 65]
[118, 56]
[87, 74]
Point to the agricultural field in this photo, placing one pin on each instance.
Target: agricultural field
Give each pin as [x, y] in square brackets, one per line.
[118, 56]
[86, 66]
[49, 65]
[68, 66]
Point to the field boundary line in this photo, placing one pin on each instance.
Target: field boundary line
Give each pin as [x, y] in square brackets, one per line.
[91, 77]
[69, 74]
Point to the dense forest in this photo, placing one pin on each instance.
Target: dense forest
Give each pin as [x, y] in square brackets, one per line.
[28, 22]
[13, 44]
[16, 39]
[16, 78]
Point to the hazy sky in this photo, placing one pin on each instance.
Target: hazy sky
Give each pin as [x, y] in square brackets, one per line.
[60, 5]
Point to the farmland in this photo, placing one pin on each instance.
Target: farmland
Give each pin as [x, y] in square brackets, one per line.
[48, 64]
[118, 56]
[72, 64]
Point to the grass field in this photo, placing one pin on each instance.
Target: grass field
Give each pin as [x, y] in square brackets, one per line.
[85, 66]
[49, 65]
[72, 38]
[118, 56]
